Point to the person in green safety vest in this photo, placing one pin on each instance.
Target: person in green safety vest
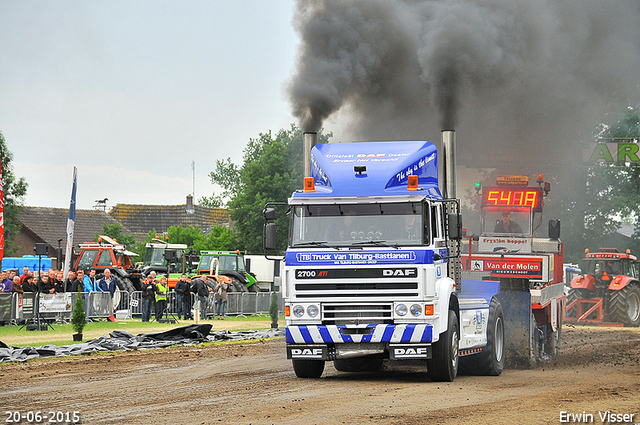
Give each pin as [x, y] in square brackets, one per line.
[161, 297]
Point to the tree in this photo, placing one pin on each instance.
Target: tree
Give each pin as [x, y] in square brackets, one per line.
[220, 238]
[271, 171]
[79, 318]
[598, 200]
[14, 193]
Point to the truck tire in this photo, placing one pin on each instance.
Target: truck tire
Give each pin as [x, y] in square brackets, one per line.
[308, 368]
[576, 294]
[489, 362]
[443, 365]
[359, 364]
[624, 305]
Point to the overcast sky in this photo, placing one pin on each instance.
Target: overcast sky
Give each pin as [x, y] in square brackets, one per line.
[131, 92]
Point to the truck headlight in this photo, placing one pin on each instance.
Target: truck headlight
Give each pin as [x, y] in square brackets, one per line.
[298, 311]
[416, 310]
[401, 310]
[313, 311]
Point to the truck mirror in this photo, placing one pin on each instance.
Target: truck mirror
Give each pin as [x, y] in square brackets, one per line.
[455, 226]
[270, 214]
[554, 229]
[270, 238]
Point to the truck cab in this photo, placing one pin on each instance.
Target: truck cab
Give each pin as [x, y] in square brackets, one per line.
[370, 266]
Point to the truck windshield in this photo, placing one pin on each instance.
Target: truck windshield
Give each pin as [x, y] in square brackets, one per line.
[353, 224]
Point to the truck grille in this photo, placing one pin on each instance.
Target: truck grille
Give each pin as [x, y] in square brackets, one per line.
[356, 289]
[340, 314]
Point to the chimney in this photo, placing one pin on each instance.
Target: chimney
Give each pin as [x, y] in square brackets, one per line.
[189, 206]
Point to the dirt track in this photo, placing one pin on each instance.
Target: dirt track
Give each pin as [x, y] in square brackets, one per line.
[253, 383]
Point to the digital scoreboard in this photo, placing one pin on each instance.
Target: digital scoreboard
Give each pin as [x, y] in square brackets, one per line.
[512, 197]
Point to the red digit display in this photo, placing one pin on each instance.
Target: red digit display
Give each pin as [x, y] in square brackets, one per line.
[512, 197]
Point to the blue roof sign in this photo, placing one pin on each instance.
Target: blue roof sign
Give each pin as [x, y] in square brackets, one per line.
[388, 165]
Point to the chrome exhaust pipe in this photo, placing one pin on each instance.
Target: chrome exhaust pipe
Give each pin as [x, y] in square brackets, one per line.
[310, 139]
[448, 174]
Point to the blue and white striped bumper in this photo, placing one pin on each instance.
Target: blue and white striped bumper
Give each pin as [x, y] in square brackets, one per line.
[322, 334]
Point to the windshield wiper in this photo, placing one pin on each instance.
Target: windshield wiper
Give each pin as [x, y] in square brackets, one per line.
[322, 244]
[375, 243]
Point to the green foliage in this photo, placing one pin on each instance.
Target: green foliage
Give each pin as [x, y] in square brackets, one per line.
[212, 201]
[271, 171]
[595, 201]
[114, 231]
[14, 193]
[79, 319]
[140, 247]
[220, 238]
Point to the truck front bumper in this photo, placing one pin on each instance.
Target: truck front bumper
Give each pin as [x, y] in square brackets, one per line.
[339, 334]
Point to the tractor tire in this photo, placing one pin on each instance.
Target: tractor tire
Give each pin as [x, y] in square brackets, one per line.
[308, 368]
[576, 294]
[120, 283]
[236, 285]
[490, 362]
[359, 364]
[253, 288]
[443, 365]
[124, 284]
[624, 305]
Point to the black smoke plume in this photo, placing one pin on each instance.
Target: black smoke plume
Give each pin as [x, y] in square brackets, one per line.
[518, 79]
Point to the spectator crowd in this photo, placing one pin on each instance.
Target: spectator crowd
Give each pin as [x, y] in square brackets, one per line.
[154, 291]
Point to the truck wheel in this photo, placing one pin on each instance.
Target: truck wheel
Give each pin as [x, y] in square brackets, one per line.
[491, 361]
[308, 368]
[443, 366]
[576, 294]
[359, 364]
[624, 305]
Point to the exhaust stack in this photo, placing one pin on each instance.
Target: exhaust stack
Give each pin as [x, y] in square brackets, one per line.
[448, 175]
[310, 139]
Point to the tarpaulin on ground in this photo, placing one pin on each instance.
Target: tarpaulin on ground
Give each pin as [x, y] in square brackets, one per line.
[124, 341]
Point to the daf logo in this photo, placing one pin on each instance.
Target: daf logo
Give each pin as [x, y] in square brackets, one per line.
[419, 351]
[306, 352]
[399, 272]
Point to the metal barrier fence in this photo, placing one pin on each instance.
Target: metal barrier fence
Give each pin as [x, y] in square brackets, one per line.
[239, 304]
[18, 308]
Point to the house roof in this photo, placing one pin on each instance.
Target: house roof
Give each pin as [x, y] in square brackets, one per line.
[144, 218]
[50, 224]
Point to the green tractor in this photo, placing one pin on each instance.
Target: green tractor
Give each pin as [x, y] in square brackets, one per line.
[174, 259]
[230, 264]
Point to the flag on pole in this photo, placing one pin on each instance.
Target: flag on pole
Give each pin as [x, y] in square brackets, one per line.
[1, 215]
[70, 224]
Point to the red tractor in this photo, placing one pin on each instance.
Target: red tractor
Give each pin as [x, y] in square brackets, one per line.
[109, 254]
[608, 290]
